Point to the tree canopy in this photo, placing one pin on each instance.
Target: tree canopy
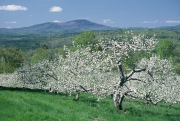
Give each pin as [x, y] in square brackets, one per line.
[11, 58]
[165, 49]
[85, 38]
[40, 55]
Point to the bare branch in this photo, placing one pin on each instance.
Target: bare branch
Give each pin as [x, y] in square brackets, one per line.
[125, 93]
[132, 96]
[83, 88]
[136, 80]
[50, 76]
[134, 71]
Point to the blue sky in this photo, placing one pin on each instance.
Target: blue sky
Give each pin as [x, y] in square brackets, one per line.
[116, 13]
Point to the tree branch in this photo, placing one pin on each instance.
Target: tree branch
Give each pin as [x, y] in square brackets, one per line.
[134, 71]
[136, 80]
[31, 83]
[83, 88]
[150, 75]
[125, 93]
[132, 96]
[50, 76]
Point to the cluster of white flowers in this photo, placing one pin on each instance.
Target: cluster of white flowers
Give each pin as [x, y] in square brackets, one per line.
[134, 43]
[157, 83]
[8, 80]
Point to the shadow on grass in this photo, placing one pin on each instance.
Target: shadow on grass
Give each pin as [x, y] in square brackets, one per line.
[151, 113]
[21, 89]
[139, 112]
[29, 90]
[171, 107]
[83, 98]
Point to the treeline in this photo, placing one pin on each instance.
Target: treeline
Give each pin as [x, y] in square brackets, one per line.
[34, 41]
[52, 45]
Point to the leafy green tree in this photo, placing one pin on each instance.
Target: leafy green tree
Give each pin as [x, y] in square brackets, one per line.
[40, 55]
[176, 59]
[135, 57]
[85, 38]
[165, 49]
[10, 59]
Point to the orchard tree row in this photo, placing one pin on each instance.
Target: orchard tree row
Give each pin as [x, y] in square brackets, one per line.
[100, 69]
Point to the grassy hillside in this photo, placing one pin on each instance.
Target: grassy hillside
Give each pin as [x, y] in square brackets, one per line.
[36, 105]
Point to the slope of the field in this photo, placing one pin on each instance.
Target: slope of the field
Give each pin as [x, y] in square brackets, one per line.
[35, 105]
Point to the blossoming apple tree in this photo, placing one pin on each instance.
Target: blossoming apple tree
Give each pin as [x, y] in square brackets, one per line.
[152, 80]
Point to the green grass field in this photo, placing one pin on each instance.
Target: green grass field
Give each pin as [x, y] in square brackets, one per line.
[36, 105]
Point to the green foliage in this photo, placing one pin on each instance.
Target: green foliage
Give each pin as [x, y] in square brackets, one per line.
[44, 46]
[165, 49]
[61, 51]
[10, 59]
[85, 38]
[168, 49]
[135, 57]
[36, 105]
[39, 55]
[176, 58]
[177, 68]
[72, 48]
[26, 42]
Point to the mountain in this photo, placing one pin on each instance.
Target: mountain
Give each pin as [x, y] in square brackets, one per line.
[169, 27]
[55, 27]
[69, 27]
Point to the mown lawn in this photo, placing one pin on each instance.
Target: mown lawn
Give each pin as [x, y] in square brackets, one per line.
[36, 105]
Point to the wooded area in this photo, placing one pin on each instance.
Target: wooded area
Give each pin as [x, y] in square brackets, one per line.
[34, 47]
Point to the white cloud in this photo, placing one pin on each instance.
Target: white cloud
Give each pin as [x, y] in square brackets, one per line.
[8, 27]
[87, 18]
[55, 9]
[172, 21]
[13, 22]
[56, 21]
[105, 21]
[12, 7]
[157, 21]
[150, 22]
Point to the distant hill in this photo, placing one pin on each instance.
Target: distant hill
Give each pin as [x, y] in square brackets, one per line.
[55, 27]
[162, 27]
[73, 26]
[169, 27]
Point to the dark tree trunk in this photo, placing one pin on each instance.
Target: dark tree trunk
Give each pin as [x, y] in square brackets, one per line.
[120, 104]
[118, 99]
[120, 107]
[122, 78]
